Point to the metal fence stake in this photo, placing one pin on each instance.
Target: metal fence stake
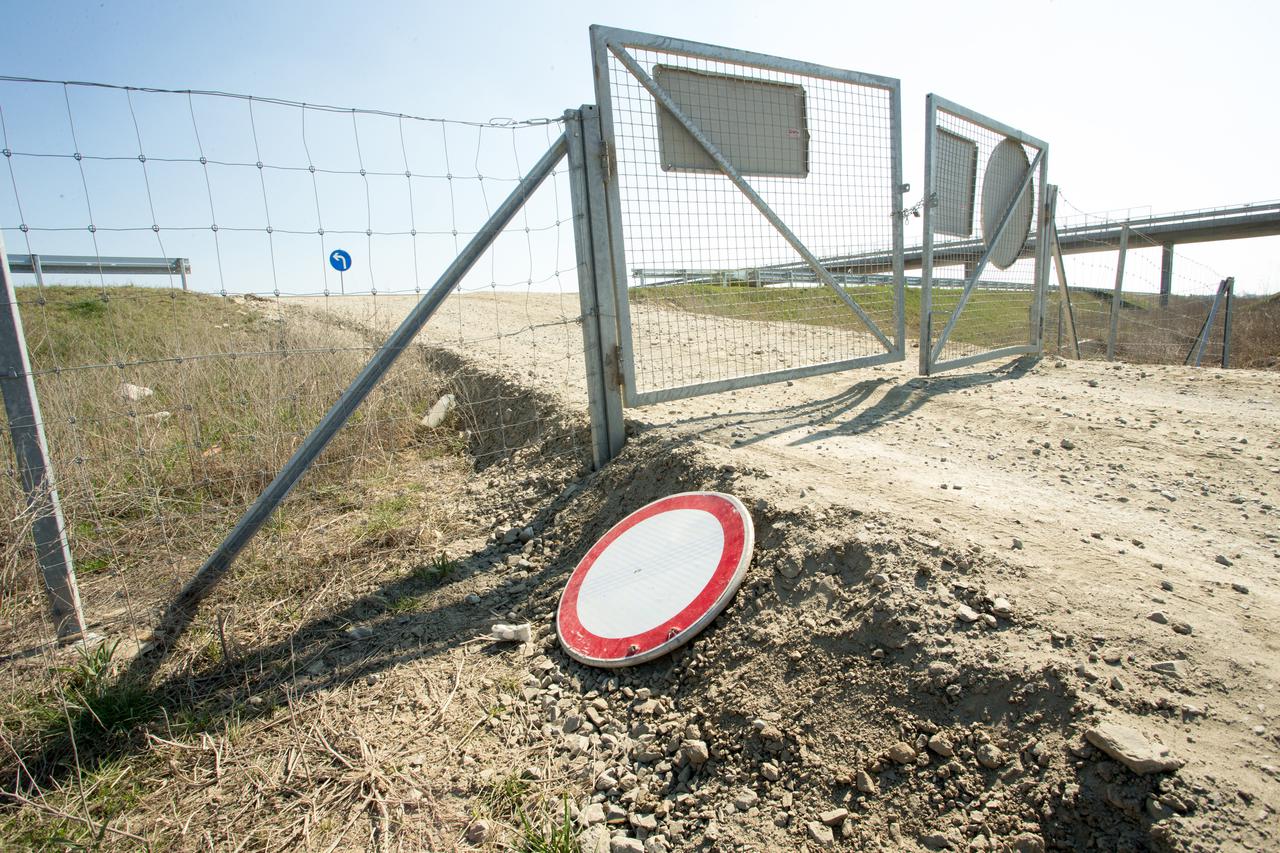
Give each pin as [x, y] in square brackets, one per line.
[1226, 323]
[1117, 297]
[26, 428]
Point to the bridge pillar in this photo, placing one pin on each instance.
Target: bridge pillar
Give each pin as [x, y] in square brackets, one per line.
[1166, 273]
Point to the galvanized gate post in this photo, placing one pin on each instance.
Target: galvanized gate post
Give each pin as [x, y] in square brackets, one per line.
[595, 284]
[26, 428]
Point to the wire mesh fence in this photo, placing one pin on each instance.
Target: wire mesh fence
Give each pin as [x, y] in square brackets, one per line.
[977, 174]
[167, 410]
[715, 291]
[1144, 326]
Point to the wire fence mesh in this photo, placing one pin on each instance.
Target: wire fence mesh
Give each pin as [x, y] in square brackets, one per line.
[715, 291]
[167, 410]
[977, 172]
[1150, 328]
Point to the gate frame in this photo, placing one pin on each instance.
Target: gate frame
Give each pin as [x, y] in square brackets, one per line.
[929, 360]
[607, 40]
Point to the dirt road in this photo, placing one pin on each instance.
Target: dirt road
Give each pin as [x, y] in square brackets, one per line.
[1127, 514]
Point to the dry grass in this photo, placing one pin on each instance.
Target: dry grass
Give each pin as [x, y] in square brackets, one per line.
[250, 734]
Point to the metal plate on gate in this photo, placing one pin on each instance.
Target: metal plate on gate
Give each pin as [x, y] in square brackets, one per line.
[1006, 167]
[760, 126]
[957, 164]
[656, 579]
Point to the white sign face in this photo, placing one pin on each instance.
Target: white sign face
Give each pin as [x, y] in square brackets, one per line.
[1006, 167]
[760, 126]
[656, 579]
[956, 170]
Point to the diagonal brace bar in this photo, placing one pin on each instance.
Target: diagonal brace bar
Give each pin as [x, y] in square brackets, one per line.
[276, 491]
[981, 266]
[668, 103]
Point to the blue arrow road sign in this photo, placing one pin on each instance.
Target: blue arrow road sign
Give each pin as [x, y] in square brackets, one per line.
[340, 260]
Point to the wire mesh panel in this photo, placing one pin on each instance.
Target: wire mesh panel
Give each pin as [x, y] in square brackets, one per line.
[1146, 324]
[755, 200]
[170, 400]
[983, 274]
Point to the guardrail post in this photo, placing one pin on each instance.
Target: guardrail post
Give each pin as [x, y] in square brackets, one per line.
[26, 428]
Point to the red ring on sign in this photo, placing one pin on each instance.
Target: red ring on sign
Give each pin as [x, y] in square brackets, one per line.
[589, 647]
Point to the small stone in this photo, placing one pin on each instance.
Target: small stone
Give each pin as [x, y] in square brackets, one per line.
[820, 834]
[360, 632]
[863, 782]
[623, 844]
[572, 722]
[478, 832]
[878, 654]
[1158, 617]
[1067, 444]
[835, 817]
[695, 752]
[511, 633]
[902, 753]
[133, 393]
[1131, 748]
[1166, 586]
[941, 744]
[990, 756]
[1017, 544]
[770, 772]
[1169, 667]
[591, 815]
[647, 822]
[1001, 607]
[438, 412]
[745, 799]
[879, 579]
[471, 598]
[1222, 560]
[1026, 842]
[965, 613]
[1181, 627]
[1240, 588]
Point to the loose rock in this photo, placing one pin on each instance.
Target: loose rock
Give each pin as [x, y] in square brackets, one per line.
[820, 834]
[1132, 749]
[902, 753]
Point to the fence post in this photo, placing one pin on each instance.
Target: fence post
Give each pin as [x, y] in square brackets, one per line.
[599, 327]
[1117, 296]
[26, 428]
[612, 322]
[1226, 323]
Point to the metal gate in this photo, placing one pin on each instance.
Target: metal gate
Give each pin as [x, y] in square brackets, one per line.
[984, 261]
[754, 222]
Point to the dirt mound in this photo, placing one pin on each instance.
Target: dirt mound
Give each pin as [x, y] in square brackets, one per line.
[868, 688]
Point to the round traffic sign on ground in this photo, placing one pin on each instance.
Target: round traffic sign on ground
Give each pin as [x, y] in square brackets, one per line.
[656, 579]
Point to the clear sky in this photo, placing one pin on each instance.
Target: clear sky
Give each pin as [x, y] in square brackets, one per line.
[1155, 106]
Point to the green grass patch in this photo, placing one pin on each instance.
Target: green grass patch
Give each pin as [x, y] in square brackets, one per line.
[549, 834]
[992, 315]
